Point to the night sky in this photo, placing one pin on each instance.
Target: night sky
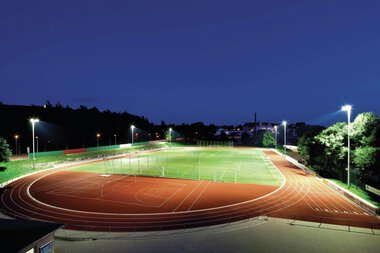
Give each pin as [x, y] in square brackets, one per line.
[187, 61]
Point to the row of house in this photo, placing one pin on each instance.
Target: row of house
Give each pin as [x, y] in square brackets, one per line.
[253, 127]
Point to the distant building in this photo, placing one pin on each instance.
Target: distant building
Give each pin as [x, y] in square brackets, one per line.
[291, 129]
[251, 128]
[258, 126]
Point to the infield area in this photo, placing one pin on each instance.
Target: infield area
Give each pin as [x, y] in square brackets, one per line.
[237, 165]
[179, 188]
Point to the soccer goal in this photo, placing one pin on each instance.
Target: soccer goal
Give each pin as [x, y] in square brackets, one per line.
[215, 144]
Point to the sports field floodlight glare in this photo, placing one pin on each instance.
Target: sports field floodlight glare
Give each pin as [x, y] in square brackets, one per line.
[132, 128]
[115, 138]
[16, 138]
[348, 108]
[33, 121]
[97, 139]
[170, 135]
[284, 123]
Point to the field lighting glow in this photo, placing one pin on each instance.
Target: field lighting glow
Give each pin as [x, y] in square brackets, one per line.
[33, 120]
[346, 108]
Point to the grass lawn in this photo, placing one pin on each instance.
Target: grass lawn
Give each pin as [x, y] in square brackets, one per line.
[359, 192]
[215, 164]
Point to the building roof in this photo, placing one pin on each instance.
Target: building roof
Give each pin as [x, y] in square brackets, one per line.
[15, 235]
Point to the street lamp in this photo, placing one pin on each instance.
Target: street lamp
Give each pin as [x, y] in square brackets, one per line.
[275, 133]
[16, 138]
[170, 135]
[33, 121]
[115, 138]
[97, 139]
[284, 124]
[347, 108]
[37, 143]
[132, 127]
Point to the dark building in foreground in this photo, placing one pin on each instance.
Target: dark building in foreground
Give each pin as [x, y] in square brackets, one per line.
[25, 236]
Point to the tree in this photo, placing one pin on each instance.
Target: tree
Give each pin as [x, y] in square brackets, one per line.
[364, 157]
[304, 145]
[332, 139]
[365, 129]
[328, 149]
[365, 133]
[168, 136]
[333, 148]
[269, 140]
[308, 148]
[5, 153]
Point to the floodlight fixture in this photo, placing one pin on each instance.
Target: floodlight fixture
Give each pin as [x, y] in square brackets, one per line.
[346, 108]
[132, 128]
[16, 138]
[97, 139]
[284, 123]
[33, 121]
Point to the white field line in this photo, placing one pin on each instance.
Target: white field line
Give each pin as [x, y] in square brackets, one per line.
[188, 196]
[147, 214]
[195, 201]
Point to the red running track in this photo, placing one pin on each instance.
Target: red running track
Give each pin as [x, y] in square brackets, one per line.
[88, 201]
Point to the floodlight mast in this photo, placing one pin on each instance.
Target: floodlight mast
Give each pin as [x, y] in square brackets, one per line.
[170, 135]
[33, 121]
[132, 128]
[284, 124]
[275, 132]
[16, 138]
[348, 108]
[97, 139]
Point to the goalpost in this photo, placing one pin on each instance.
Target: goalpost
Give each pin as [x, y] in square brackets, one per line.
[215, 144]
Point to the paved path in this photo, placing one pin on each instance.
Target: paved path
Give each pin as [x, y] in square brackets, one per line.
[257, 235]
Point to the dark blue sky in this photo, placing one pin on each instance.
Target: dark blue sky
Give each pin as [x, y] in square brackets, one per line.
[186, 61]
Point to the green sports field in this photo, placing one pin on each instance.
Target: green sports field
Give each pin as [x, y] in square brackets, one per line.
[215, 164]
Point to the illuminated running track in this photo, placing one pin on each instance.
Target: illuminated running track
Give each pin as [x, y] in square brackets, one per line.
[301, 196]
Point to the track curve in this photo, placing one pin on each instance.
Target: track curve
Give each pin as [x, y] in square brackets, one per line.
[300, 196]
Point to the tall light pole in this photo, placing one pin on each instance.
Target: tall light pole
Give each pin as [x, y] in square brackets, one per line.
[275, 133]
[170, 135]
[132, 128]
[97, 139]
[284, 124]
[16, 138]
[347, 108]
[115, 138]
[33, 121]
[37, 143]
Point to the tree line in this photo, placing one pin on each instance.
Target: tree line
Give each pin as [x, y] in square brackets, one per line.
[326, 151]
[62, 127]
